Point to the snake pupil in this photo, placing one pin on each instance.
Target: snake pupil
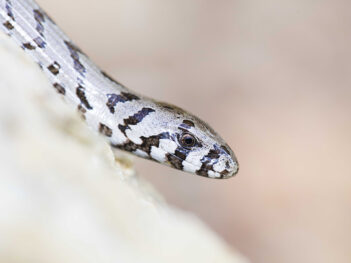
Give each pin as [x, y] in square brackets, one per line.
[188, 140]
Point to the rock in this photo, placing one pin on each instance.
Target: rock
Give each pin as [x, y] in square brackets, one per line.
[64, 197]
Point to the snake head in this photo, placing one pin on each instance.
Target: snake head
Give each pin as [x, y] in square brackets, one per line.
[191, 145]
[174, 137]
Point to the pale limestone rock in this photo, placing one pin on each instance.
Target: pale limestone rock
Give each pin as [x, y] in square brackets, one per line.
[64, 198]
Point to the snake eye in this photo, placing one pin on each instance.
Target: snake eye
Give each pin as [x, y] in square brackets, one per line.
[187, 140]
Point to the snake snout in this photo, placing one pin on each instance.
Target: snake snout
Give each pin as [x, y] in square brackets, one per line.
[231, 166]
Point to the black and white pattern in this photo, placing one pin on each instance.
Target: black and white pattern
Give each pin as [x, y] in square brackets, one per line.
[147, 128]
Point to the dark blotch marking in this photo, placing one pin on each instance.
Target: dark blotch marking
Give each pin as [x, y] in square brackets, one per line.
[105, 130]
[154, 140]
[40, 18]
[207, 162]
[129, 146]
[178, 157]
[59, 88]
[186, 125]
[80, 91]
[8, 25]
[74, 51]
[82, 111]
[227, 166]
[38, 15]
[212, 154]
[54, 68]
[8, 7]
[113, 99]
[224, 148]
[180, 154]
[146, 145]
[189, 123]
[28, 46]
[134, 119]
[40, 42]
[175, 161]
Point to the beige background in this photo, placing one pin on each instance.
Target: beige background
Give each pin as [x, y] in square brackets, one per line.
[273, 78]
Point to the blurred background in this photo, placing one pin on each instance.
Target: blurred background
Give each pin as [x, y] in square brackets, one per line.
[273, 78]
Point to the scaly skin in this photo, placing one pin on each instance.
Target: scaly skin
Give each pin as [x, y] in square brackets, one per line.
[131, 122]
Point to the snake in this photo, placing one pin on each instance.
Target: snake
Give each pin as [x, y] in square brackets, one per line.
[130, 122]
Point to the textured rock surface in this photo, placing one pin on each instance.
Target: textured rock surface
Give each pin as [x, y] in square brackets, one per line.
[64, 198]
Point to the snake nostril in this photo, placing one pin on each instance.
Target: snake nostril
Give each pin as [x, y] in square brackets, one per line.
[227, 165]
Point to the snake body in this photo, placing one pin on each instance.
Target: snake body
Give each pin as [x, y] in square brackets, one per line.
[131, 122]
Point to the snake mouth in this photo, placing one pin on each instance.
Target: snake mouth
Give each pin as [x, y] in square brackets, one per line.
[209, 171]
[217, 164]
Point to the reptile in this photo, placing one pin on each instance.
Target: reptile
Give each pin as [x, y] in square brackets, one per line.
[131, 122]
